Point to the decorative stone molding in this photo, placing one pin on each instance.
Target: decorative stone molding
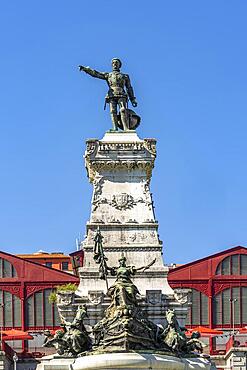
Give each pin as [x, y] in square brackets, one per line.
[130, 224]
[96, 297]
[98, 185]
[101, 165]
[127, 248]
[134, 146]
[65, 298]
[183, 296]
[92, 145]
[118, 164]
[150, 145]
[97, 156]
[121, 201]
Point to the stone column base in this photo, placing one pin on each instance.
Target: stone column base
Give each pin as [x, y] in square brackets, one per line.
[125, 361]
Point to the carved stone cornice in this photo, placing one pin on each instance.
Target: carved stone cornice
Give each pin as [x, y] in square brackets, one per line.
[112, 156]
[120, 226]
[127, 248]
[101, 147]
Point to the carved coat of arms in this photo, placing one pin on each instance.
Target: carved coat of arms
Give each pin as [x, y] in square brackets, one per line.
[154, 296]
[122, 201]
[95, 297]
[65, 298]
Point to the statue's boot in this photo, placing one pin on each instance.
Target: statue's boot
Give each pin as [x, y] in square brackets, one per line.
[114, 121]
[124, 119]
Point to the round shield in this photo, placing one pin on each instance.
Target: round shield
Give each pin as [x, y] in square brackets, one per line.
[134, 120]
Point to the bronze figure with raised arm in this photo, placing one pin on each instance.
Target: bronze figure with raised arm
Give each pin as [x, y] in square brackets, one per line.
[120, 90]
[123, 292]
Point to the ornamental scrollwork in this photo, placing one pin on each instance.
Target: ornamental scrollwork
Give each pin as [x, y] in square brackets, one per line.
[91, 147]
[15, 290]
[150, 145]
[98, 186]
[35, 288]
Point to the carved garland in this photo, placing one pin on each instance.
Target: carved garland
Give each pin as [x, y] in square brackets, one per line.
[99, 165]
[121, 201]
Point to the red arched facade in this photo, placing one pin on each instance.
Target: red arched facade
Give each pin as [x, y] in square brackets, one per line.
[24, 290]
[218, 282]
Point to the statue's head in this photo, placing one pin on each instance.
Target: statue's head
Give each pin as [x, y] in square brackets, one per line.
[82, 307]
[122, 261]
[116, 64]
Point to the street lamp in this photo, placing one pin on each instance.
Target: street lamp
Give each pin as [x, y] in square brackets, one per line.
[233, 301]
[15, 359]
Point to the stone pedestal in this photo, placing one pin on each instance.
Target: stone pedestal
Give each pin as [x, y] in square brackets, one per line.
[120, 168]
[126, 361]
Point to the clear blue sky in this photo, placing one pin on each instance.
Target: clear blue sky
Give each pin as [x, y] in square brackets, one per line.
[187, 61]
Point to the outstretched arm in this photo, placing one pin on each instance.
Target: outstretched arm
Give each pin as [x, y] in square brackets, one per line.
[93, 72]
[146, 267]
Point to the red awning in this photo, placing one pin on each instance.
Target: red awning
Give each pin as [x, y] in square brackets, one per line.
[206, 332]
[243, 330]
[15, 335]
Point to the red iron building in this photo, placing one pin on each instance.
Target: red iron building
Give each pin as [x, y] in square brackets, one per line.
[24, 290]
[218, 284]
[219, 289]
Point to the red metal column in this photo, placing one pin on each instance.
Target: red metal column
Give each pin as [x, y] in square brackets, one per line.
[23, 316]
[210, 311]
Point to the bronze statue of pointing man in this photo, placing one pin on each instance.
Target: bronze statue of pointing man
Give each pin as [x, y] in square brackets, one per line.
[120, 91]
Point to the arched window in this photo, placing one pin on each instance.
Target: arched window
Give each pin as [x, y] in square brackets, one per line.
[10, 310]
[7, 270]
[198, 311]
[39, 312]
[236, 264]
[223, 308]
